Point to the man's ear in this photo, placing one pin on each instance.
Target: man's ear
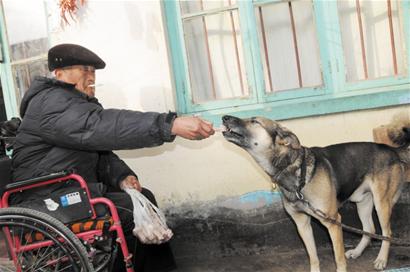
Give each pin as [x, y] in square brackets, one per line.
[288, 139]
[58, 73]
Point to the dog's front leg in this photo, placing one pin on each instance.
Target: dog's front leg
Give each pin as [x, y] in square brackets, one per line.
[336, 235]
[304, 227]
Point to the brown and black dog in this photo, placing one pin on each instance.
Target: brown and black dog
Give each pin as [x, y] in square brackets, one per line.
[369, 174]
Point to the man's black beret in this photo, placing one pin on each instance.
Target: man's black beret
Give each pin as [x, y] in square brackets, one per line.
[64, 55]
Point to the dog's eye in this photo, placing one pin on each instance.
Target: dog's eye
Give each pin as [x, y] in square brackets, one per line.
[253, 121]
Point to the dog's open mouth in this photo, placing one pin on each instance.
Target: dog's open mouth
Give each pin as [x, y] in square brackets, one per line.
[231, 132]
[234, 134]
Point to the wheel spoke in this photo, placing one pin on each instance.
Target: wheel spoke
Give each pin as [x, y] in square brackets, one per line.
[43, 258]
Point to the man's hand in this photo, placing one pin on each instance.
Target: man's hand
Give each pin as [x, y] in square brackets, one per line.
[130, 182]
[192, 128]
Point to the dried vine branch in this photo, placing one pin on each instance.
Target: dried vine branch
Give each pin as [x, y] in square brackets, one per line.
[69, 7]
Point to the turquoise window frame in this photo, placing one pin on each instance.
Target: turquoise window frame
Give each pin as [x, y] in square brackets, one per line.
[336, 95]
[6, 75]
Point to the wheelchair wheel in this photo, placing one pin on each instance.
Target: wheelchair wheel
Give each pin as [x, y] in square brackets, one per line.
[40, 243]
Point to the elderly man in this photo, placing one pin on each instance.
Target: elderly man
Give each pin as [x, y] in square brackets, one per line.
[64, 127]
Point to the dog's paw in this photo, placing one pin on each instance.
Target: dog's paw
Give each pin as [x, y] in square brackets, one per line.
[380, 264]
[353, 254]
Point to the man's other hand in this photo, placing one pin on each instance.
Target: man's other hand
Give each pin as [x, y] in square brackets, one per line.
[192, 128]
[130, 182]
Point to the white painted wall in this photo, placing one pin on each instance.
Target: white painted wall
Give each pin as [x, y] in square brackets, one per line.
[129, 36]
[22, 15]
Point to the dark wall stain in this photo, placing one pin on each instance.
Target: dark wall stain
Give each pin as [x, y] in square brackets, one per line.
[213, 231]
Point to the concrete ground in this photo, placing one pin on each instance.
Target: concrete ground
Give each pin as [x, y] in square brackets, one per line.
[294, 261]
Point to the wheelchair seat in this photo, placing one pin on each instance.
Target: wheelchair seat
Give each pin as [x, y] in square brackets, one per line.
[78, 218]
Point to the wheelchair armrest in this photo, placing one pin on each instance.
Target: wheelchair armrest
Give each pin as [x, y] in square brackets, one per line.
[36, 180]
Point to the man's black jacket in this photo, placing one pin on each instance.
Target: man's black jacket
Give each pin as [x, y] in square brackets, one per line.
[64, 129]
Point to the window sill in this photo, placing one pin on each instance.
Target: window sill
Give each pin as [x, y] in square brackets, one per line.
[318, 105]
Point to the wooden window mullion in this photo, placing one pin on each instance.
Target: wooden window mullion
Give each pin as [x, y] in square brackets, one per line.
[359, 18]
[295, 43]
[265, 48]
[393, 47]
[211, 73]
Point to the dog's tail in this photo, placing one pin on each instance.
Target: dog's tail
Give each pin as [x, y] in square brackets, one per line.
[401, 137]
[398, 132]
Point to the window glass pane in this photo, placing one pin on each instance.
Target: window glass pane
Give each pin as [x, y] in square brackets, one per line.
[289, 46]
[26, 24]
[193, 6]
[26, 28]
[373, 42]
[25, 73]
[215, 58]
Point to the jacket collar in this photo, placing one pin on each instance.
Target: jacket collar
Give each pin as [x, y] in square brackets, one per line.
[67, 85]
[42, 83]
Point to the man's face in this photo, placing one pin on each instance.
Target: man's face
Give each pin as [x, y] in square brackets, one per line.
[81, 76]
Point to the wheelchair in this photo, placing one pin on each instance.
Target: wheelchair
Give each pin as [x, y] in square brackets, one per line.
[33, 240]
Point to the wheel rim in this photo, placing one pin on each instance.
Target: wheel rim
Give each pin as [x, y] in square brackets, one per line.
[60, 256]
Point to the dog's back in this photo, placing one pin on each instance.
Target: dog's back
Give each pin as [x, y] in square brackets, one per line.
[351, 163]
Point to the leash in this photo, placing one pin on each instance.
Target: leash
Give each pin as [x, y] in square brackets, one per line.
[327, 218]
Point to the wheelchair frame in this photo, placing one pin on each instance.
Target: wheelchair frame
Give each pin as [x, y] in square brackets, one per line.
[86, 236]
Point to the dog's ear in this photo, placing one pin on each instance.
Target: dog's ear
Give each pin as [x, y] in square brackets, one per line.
[287, 138]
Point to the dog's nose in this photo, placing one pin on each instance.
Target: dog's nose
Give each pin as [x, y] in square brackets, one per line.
[227, 117]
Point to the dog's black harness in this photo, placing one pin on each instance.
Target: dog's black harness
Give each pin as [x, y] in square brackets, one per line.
[302, 181]
[289, 190]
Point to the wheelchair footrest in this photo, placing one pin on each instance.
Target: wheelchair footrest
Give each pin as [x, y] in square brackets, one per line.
[77, 227]
[96, 224]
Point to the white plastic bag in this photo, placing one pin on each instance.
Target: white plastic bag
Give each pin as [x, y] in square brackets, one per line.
[150, 224]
